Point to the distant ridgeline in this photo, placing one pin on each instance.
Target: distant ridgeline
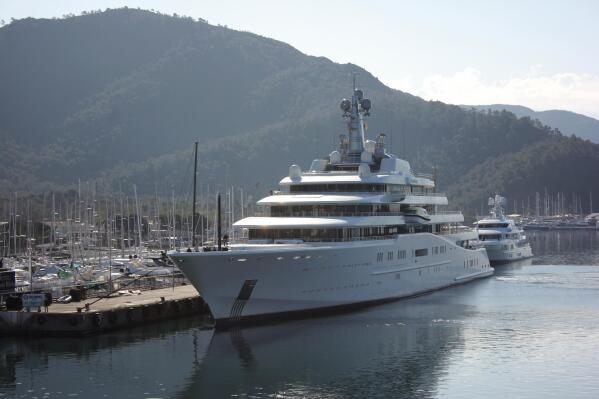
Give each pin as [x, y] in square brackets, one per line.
[118, 97]
[569, 123]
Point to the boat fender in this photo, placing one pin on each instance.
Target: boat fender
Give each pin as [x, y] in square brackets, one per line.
[145, 311]
[41, 320]
[97, 319]
[112, 317]
[73, 320]
[129, 314]
[189, 304]
[175, 307]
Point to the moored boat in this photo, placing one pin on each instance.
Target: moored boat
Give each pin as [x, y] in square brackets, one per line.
[500, 236]
[358, 227]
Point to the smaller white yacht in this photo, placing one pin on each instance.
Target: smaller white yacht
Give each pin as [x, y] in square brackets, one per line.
[501, 237]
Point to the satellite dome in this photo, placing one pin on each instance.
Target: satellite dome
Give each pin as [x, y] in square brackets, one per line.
[295, 172]
[335, 157]
[345, 105]
[363, 170]
[366, 156]
[365, 103]
[369, 145]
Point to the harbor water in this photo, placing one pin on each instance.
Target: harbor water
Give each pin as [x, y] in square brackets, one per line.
[530, 331]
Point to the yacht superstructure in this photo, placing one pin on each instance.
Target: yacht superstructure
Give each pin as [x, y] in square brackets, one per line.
[357, 227]
[501, 237]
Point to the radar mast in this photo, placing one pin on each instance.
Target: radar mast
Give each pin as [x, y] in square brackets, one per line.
[355, 110]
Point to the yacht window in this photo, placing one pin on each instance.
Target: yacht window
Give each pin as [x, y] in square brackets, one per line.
[421, 252]
[398, 188]
[485, 237]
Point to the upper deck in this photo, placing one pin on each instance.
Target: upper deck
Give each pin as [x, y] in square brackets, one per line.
[358, 191]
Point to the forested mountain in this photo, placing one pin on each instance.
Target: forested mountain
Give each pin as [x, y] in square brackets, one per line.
[119, 96]
[568, 122]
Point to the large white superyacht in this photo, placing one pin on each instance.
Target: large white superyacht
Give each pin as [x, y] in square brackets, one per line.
[358, 227]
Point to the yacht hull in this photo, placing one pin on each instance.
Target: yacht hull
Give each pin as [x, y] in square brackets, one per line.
[503, 252]
[266, 283]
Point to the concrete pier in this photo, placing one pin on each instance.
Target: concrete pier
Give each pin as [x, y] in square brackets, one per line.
[106, 314]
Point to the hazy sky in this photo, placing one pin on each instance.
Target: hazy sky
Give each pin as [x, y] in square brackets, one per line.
[542, 54]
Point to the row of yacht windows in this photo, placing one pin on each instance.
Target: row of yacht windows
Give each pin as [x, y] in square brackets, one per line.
[360, 187]
[346, 234]
[401, 254]
[492, 225]
[485, 237]
[343, 188]
[337, 210]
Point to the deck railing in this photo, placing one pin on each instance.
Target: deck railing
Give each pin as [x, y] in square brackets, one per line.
[349, 214]
[406, 193]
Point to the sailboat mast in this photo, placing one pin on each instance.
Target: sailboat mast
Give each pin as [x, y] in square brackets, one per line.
[138, 216]
[193, 212]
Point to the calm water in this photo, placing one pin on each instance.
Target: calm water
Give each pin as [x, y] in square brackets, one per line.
[530, 331]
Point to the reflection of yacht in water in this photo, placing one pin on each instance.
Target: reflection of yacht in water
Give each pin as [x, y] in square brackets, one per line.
[501, 237]
[358, 227]
[388, 351]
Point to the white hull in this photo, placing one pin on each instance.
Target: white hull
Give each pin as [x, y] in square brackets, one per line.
[498, 253]
[317, 276]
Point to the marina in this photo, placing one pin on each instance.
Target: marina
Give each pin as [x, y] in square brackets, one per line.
[494, 337]
[301, 200]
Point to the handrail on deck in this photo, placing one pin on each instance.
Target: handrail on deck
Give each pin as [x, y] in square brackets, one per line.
[349, 214]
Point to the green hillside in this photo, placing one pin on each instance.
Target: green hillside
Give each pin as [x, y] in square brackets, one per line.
[119, 96]
[568, 122]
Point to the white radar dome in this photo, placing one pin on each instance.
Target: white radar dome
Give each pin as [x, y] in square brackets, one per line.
[363, 170]
[369, 145]
[366, 156]
[295, 172]
[335, 157]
